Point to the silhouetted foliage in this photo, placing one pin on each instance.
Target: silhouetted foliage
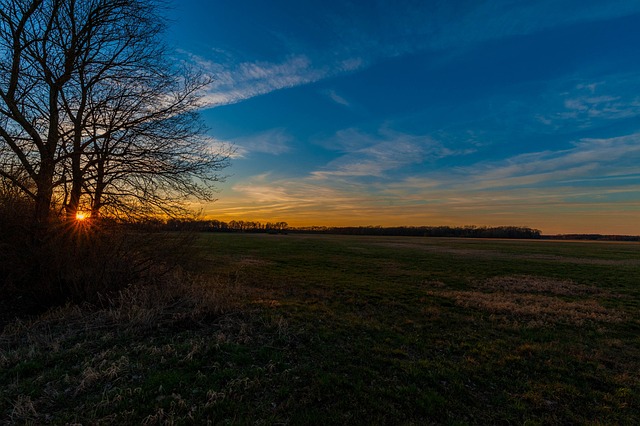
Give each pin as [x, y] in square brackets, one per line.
[231, 226]
[82, 261]
[94, 115]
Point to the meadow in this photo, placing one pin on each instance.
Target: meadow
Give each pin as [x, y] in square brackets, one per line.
[322, 329]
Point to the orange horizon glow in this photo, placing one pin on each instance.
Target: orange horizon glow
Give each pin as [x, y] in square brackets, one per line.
[314, 203]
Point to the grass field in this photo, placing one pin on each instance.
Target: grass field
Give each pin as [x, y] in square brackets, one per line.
[301, 329]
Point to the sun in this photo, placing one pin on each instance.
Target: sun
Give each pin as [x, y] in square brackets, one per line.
[81, 216]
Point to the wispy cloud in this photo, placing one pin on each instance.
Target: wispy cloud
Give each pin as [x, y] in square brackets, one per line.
[550, 112]
[586, 108]
[586, 159]
[496, 19]
[220, 147]
[366, 154]
[273, 141]
[410, 27]
[585, 104]
[335, 97]
[235, 82]
[407, 28]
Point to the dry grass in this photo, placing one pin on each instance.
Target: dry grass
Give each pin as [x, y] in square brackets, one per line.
[580, 260]
[110, 350]
[178, 296]
[483, 253]
[252, 261]
[535, 310]
[534, 301]
[535, 284]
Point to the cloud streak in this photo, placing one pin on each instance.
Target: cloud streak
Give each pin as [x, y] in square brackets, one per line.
[233, 83]
[333, 95]
[586, 103]
[408, 28]
[372, 155]
[588, 158]
[274, 142]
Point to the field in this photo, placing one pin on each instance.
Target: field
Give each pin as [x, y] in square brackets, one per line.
[302, 329]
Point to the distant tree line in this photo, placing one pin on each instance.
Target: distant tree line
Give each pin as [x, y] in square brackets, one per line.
[429, 231]
[593, 237]
[414, 231]
[250, 226]
[221, 226]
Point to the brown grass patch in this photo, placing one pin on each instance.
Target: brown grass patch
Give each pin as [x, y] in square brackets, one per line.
[578, 260]
[533, 284]
[437, 248]
[495, 254]
[535, 310]
[252, 261]
[172, 322]
[172, 300]
[433, 283]
[534, 301]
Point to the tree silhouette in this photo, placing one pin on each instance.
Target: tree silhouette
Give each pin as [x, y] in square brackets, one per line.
[95, 114]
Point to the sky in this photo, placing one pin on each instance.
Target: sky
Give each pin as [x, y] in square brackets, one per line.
[408, 112]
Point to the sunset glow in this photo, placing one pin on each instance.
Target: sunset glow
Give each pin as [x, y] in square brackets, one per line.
[80, 216]
[423, 113]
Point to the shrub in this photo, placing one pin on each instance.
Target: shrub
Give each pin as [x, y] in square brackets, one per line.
[82, 261]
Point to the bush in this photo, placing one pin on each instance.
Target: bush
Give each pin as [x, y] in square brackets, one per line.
[15, 211]
[82, 261]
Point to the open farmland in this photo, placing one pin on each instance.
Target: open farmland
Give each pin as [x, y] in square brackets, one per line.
[302, 329]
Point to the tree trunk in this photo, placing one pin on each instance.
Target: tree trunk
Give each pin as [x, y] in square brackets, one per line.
[44, 184]
[76, 187]
[99, 189]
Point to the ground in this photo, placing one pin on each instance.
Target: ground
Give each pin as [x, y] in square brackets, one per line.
[301, 329]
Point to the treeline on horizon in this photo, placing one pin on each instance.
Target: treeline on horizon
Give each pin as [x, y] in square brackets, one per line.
[515, 232]
[413, 231]
[592, 237]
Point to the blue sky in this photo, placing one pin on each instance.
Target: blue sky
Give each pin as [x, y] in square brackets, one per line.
[423, 112]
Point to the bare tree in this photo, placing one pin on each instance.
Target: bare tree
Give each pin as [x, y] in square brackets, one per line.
[148, 160]
[95, 113]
